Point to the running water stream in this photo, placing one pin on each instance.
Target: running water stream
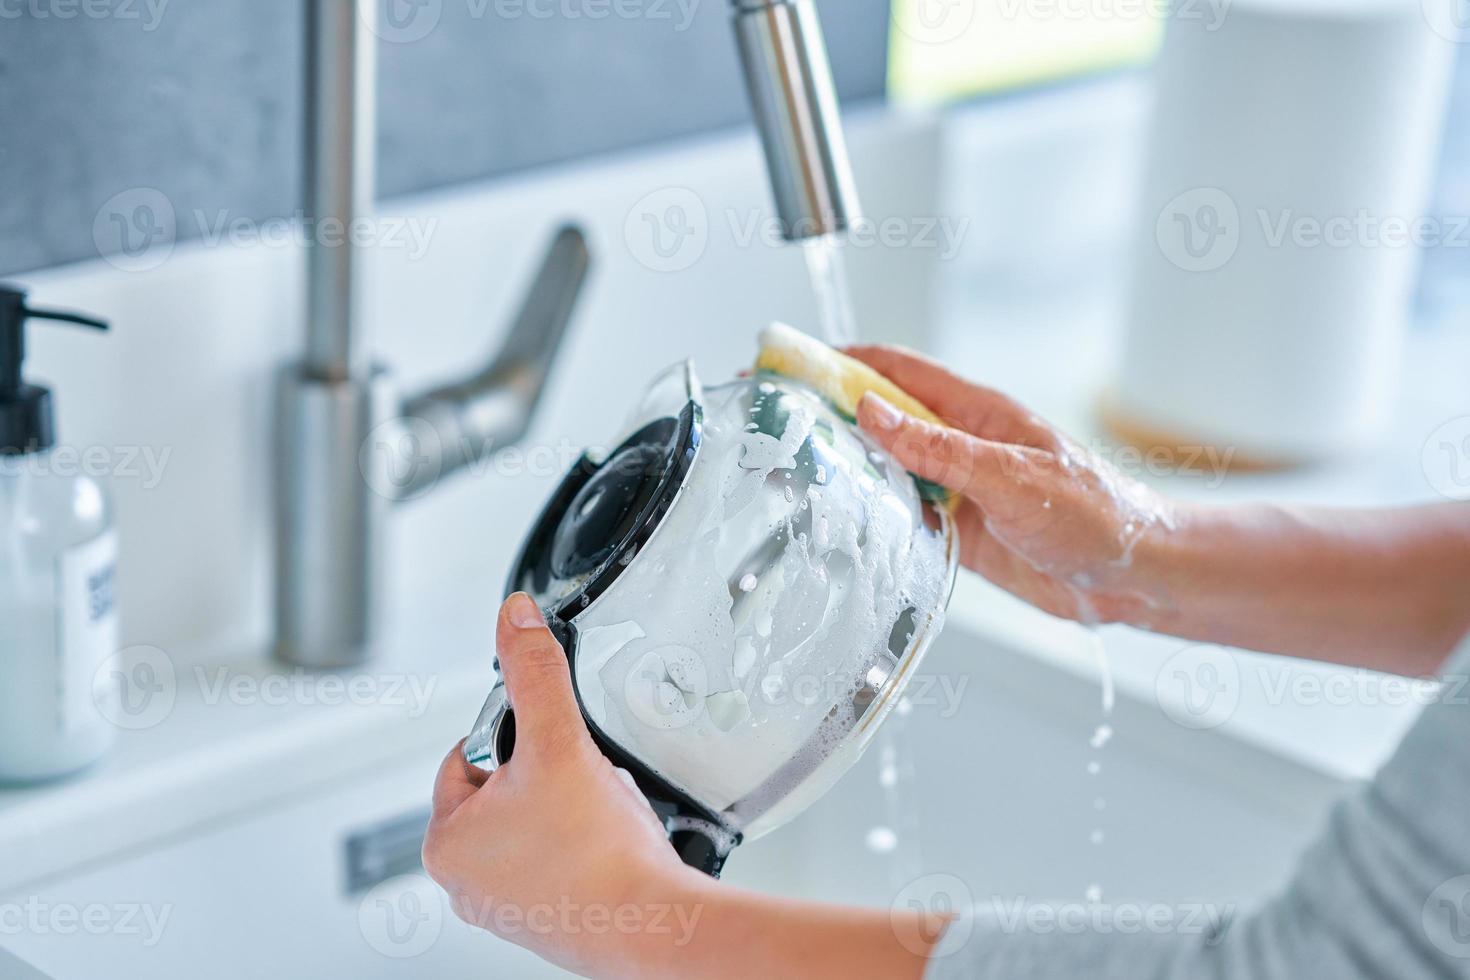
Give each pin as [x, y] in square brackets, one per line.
[827, 265]
[1100, 738]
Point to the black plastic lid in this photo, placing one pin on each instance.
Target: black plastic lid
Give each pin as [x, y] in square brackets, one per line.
[603, 513]
[27, 415]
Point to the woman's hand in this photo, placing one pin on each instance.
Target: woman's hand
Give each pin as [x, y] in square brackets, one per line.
[556, 851]
[1038, 515]
[1052, 523]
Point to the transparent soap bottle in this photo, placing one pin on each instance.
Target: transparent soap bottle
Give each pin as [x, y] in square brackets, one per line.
[57, 559]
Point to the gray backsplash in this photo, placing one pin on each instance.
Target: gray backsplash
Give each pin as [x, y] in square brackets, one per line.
[197, 103]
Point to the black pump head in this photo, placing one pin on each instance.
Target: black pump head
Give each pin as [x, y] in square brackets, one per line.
[27, 420]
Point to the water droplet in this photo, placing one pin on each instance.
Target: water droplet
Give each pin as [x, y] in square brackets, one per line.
[1096, 837]
[1093, 768]
[1102, 736]
[748, 582]
[881, 840]
[1094, 894]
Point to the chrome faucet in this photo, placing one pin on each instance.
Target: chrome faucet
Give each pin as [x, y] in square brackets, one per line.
[344, 432]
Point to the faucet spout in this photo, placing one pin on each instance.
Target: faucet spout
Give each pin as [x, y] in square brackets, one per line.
[794, 102]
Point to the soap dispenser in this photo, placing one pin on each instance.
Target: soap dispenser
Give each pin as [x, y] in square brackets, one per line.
[57, 553]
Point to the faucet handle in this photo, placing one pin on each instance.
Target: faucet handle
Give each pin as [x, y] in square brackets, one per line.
[493, 407]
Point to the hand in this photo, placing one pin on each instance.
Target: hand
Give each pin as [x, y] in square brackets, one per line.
[556, 851]
[1038, 515]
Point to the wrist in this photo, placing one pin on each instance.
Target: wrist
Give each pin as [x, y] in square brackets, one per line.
[673, 903]
[1165, 568]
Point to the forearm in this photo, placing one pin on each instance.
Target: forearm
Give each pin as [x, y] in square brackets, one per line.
[738, 934]
[1388, 590]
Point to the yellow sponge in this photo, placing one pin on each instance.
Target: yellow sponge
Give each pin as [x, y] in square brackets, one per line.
[840, 379]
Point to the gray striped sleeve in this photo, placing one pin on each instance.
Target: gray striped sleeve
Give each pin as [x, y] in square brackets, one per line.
[1384, 894]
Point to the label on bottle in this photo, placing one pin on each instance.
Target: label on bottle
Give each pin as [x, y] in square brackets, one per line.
[87, 626]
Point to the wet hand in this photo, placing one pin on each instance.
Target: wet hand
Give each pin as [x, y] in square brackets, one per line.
[1037, 514]
[556, 851]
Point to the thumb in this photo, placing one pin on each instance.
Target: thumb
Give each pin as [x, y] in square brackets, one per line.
[538, 678]
[949, 457]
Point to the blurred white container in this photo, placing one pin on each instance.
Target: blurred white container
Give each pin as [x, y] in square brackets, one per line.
[1286, 179]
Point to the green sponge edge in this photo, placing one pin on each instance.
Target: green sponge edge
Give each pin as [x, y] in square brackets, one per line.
[930, 491]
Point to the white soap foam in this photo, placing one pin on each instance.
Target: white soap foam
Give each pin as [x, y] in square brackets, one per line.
[743, 677]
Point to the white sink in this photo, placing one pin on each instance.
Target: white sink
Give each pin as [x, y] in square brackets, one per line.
[1001, 796]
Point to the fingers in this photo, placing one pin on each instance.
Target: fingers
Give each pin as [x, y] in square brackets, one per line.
[538, 678]
[455, 782]
[980, 411]
[977, 468]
